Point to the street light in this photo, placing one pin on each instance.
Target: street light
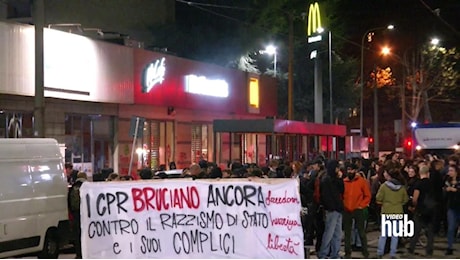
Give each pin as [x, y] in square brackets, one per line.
[271, 50]
[386, 51]
[435, 41]
[389, 27]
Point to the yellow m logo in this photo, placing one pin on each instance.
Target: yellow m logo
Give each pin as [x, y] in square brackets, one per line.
[314, 19]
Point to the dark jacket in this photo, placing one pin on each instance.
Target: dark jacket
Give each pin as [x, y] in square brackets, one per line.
[331, 189]
[437, 184]
[306, 191]
[70, 195]
[72, 178]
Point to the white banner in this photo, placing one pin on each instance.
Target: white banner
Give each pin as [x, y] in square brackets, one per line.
[191, 219]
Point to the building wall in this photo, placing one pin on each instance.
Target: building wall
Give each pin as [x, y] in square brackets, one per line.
[171, 91]
[75, 67]
[56, 111]
[90, 78]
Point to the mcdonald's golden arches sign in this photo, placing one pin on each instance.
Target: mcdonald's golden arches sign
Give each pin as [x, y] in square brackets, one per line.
[314, 19]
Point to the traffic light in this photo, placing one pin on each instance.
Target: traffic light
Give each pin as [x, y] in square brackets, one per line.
[371, 139]
[408, 143]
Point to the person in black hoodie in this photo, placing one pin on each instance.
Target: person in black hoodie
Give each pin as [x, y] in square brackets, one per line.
[331, 190]
[73, 201]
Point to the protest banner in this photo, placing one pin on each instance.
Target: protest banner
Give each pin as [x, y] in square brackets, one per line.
[187, 218]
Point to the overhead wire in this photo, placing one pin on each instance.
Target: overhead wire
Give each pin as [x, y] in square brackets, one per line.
[436, 14]
[217, 6]
[199, 6]
[213, 12]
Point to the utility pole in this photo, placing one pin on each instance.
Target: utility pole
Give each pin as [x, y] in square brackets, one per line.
[403, 112]
[376, 115]
[39, 99]
[331, 115]
[291, 58]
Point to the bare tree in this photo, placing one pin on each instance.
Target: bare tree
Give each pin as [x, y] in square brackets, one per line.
[430, 73]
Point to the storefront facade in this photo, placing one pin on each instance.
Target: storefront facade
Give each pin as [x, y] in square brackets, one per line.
[93, 90]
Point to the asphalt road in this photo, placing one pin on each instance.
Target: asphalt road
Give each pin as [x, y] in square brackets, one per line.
[373, 234]
[440, 245]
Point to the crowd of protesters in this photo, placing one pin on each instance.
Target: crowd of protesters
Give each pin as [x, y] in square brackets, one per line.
[345, 195]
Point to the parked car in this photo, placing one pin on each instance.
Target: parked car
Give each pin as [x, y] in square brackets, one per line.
[175, 173]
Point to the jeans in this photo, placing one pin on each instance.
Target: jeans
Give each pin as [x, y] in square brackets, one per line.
[332, 236]
[453, 216]
[383, 241]
[355, 240]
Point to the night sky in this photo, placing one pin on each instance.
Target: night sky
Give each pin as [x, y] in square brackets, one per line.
[414, 20]
[416, 23]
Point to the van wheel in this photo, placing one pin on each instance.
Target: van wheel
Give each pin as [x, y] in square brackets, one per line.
[50, 247]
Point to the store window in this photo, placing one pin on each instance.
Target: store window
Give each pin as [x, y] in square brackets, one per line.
[199, 142]
[157, 148]
[16, 125]
[89, 142]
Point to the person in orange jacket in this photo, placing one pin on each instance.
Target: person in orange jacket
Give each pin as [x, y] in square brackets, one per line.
[356, 199]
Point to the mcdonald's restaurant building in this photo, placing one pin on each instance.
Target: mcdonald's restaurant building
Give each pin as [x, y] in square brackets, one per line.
[94, 91]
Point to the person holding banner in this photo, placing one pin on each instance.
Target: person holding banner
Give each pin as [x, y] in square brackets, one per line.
[306, 199]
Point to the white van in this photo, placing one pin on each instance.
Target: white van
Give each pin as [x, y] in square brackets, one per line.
[33, 197]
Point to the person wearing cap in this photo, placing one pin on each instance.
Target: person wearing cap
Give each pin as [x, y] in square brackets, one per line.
[356, 198]
[315, 168]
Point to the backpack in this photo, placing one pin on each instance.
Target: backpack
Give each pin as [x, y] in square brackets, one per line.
[74, 197]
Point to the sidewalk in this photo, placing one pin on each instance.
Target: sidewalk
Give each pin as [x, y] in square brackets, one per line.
[440, 245]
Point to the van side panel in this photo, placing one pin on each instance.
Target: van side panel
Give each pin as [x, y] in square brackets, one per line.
[33, 193]
[50, 193]
[16, 194]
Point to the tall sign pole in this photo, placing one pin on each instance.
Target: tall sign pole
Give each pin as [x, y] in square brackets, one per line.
[314, 29]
